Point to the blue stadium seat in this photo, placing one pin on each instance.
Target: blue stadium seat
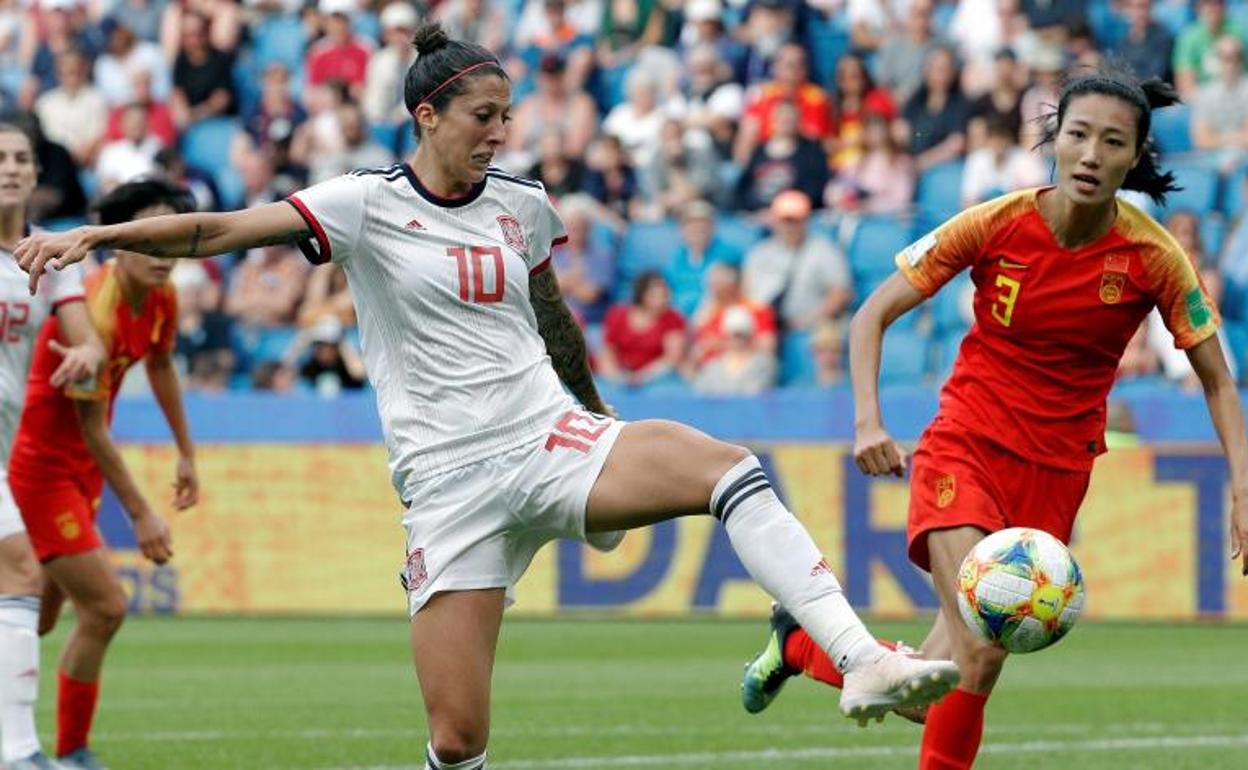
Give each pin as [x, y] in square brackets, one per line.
[739, 231]
[1200, 188]
[1172, 128]
[903, 360]
[230, 191]
[1233, 192]
[1107, 27]
[940, 191]
[1237, 342]
[827, 42]
[947, 307]
[386, 134]
[797, 364]
[876, 241]
[646, 246]
[280, 39]
[1173, 16]
[206, 144]
[1234, 304]
[945, 350]
[255, 345]
[1212, 234]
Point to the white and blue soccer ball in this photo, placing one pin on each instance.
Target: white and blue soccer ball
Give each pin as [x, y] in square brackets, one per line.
[1020, 588]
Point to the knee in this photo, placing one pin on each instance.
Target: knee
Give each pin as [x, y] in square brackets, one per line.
[980, 664]
[103, 616]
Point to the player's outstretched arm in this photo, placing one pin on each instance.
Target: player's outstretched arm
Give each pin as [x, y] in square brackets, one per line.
[875, 452]
[174, 235]
[1228, 418]
[164, 381]
[564, 341]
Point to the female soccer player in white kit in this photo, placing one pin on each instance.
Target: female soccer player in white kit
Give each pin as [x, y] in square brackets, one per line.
[469, 347]
[21, 316]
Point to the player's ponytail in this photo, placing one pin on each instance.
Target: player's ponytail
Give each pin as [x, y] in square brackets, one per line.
[443, 68]
[1113, 80]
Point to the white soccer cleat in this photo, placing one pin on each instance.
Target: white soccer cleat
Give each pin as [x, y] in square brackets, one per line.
[895, 681]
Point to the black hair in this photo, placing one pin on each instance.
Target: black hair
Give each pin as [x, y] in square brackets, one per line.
[643, 282]
[129, 199]
[439, 73]
[1115, 80]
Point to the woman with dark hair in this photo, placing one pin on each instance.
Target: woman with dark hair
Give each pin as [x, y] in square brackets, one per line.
[1063, 277]
[644, 340]
[470, 347]
[855, 97]
[933, 122]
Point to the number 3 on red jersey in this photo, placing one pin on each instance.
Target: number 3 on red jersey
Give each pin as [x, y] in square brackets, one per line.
[1003, 305]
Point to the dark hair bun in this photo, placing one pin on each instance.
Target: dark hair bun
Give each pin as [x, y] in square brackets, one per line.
[429, 37]
[1159, 93]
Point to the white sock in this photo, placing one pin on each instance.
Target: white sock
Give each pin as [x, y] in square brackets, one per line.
[780, 555]
[19, 675]
[433, 763]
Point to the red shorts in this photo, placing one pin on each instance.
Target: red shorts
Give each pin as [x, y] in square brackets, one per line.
[59, 515]
[959, 479]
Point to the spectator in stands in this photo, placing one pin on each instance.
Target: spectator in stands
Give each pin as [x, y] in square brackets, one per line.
[769, 25]
[159, 116]
[827, 349]
[611, 178]
[558, 172]
[382, 97]
[685, 168]
[698, 250]
[1193, 61]
[741, 368]
[224, 24]
[320, 133]
[267, 286]
[856, 95]
[333, 364]
[1139, 359]
[713, 101]
[584, 264]
[871, 21]
[790, 84]
[74, 113]
[338, 56]
[1054, 20]
[1234, 264]
[258, 170]
[143, 17]
[131, 156]
[883, 179]
[560, 35]
[724, 293]
[199, 182]
[1000, 166]
[482, 22]
[203, 78]
[638, 121]
[1147, 45]
[704, 28]
[800, 273]
[1002, 102]
[58, 192]
[644, 340]
[272, 377]
[359, 149]
[273, 123]
[126, 54]
[583, 16]
[327, 295]
[60, 26]
[1220, 109]
[934, 120]
[203, 330]
[628, 26]
[552, 104]
[786, 160]
[899, 65]
[1047, 67]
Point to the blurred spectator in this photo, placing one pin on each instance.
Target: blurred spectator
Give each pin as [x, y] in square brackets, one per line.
[333, 365]
[870, 21]
[558, 34]
[1041, 99]
[58, 26]
[159, 116]
[339, 55]
[483, 22]
[684, 169]
[224, 24]
[789, 84]
[584, 264]
[856, 95]
[1000, 166]
[558, 172]
[125, 55]
[203, 79]
[74, 114]
[742, 368]
[552, 104]
[1002, 102]
[786, 160]
[638, 121]
[273, 377]
[1234, 265]
[203, 330]
[977, 29]
[131, 156]
[704, 28]
[1147, 45]
[273, 123]
[827, 348]
[267, 286]
[198, 182]
[644, 340]
[713, 102]
[1220, 109]
[628, 26]
[934, 120]
[801, 274]
[143, 17]
[699, 249]
[327, 295]
[724, 294]
[359, 148]
[58, 193]
[386, 74]
[259, 175]
[899, 65]
[1138, 359]
[611, 178]
[1194, 61]
[882, 181]
[320, 133]
[769, 26]
[583, 16]
[1055, 19]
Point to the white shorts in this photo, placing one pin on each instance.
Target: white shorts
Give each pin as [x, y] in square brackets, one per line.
[479, 526]
[10, 516]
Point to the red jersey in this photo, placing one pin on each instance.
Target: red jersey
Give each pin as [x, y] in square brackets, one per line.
[1051, 323]
[49, 441]
[635, 349]
[814, 110]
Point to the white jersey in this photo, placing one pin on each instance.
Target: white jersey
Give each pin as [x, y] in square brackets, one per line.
[21, 317]
[441, 290]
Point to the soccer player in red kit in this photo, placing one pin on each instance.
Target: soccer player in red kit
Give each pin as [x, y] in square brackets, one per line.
[1064, 276]
[63, 454]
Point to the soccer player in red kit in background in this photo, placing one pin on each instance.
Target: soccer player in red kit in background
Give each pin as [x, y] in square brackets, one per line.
[63, 454]
[1064, 276]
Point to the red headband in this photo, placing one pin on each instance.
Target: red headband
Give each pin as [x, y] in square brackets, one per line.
[453, 78]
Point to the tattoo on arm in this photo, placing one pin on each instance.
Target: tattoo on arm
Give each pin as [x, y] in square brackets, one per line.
[564, 341]
[194, 250]
[288, 237]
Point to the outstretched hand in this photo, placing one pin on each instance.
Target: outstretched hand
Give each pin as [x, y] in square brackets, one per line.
[37, 251]
[78, 362]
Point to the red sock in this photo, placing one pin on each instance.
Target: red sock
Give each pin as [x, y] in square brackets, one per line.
[953, 731]
[801, 653]
[75, 707]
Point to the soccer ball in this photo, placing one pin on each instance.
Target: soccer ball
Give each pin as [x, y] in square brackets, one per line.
[1020, 588]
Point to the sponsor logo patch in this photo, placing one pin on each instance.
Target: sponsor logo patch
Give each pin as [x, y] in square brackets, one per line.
[915, 252]
[1198, 312]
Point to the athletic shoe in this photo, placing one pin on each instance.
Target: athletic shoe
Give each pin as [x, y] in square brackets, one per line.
[82, 759]
[36, 761]
[895, 681]
[767, 673]
[916, 714]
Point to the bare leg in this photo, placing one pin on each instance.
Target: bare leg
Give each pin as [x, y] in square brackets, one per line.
[92, 586]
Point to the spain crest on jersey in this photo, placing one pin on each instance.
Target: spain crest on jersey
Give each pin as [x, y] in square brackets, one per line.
[513, 233]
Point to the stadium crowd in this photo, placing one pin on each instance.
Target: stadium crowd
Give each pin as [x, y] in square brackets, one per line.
[734, 176]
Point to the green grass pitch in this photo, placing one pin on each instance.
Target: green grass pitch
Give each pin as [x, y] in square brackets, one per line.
[281, 694]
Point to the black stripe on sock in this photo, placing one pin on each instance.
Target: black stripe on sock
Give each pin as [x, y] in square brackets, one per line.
[741, 497]
[749, 478]
[25, 601]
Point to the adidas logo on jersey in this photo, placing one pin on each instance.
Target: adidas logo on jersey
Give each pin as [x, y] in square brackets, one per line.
[414, 225]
